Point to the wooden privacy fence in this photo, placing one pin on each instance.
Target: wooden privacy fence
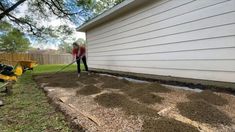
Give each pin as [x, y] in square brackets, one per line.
[13, 58]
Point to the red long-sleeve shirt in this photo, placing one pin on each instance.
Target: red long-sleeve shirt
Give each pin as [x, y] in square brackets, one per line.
[79, 52]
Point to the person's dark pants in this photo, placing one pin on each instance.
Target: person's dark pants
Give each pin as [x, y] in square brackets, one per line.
[84, 62]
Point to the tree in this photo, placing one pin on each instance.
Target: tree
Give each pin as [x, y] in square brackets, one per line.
[94, 7]
[75, 11]
[67, 47]
[41, 10]
[81, 41]
[5, 26]
[14, 41]
[104, 5]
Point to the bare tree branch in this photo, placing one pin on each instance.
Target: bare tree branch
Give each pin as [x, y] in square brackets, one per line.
[42, 8]
[2, 6]
[7, 11]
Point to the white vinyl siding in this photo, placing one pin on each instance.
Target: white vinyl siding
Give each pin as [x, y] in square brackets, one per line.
[180, 38]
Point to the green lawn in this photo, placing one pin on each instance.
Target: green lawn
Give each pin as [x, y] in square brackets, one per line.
[27, 110]
[54, 68]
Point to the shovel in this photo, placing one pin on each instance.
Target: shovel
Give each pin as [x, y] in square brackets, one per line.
[65, 67]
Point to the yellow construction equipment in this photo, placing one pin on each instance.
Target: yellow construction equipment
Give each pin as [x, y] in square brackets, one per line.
[8, 73]
[28, 65]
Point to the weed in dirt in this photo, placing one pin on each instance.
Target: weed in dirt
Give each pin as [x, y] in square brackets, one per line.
[88, 90]
[209, 97]
[203, 112]
[114, 100]
[166, 125]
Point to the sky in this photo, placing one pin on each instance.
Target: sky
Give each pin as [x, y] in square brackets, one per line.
[54, 21]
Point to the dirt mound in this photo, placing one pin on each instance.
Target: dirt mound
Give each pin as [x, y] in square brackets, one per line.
[113, 100]
[167, 125]
[113, 83]
[133, 108]
[145, 94]
[203, 112]
[88, 90]
[209, 97]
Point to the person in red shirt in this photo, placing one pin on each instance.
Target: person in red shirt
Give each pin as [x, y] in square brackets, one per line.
[79, 52]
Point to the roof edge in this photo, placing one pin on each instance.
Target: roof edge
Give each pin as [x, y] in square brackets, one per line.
[109, 14]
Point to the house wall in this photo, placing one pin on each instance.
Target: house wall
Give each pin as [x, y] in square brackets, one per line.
[179, 38]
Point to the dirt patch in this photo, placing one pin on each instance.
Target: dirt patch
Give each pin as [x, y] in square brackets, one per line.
[209, 97]
[113, 83]
[88, 90]
[167, 125]
[64, 80]
[150, 98]
[149, 87]
[145, 94]
[156, 87]
[111, 100]
[203, 112]
[88, 79]
[114, 100]
[138, 85]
